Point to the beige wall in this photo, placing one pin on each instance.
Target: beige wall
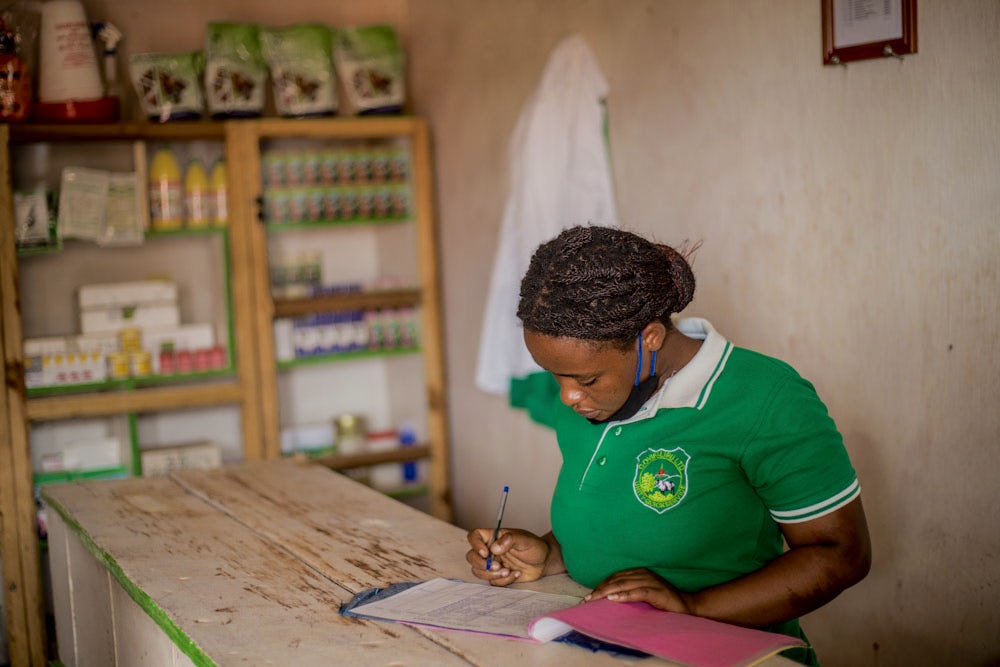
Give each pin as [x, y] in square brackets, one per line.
[849, 219]
[850, 226]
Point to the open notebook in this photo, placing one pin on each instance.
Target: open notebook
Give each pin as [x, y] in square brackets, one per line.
[531, 615]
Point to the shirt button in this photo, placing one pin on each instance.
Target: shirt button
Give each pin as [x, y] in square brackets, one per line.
[601, 461]
[618, 431]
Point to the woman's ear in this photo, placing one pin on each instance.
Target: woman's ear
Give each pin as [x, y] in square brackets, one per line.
[653, 335]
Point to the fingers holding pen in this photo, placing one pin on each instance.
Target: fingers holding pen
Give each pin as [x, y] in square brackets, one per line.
[487, 560]
[481, 541]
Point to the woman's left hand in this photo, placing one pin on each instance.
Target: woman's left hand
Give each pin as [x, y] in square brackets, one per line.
[641, 585]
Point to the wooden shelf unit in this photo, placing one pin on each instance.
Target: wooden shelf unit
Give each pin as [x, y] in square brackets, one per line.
[23, 600]
[253, 386]
[245, 142]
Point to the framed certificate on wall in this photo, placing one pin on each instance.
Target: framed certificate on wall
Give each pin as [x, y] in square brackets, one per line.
[862, 29]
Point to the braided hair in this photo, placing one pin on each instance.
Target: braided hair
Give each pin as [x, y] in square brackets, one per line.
[603, 284]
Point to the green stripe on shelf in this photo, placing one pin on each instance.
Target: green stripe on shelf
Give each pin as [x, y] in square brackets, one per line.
[345, 356]
[326, 224]
[62, 476]
[129, 383]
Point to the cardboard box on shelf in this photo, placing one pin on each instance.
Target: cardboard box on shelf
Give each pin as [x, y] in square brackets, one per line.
[183, 337]
[58, 361]
[105, 341]
[87, 454]
[143, 316]
[49, 345]
[117, 295]
[307, 438]
[182, 456]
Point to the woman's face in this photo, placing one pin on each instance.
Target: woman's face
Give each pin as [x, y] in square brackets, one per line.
[594, 379]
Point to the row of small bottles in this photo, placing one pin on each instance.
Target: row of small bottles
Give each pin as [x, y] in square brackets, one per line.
[194, 200]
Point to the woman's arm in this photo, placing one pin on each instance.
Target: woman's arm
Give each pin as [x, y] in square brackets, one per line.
[825, 556]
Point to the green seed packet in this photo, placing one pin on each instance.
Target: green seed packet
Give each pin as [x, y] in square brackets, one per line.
[235, 71]
[369, 62]
[300, 60]
[168, 85]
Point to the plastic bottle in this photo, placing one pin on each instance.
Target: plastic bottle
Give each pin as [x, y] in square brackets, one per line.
[219, 205]
[196, 195]
[166, 194]
[408, 438]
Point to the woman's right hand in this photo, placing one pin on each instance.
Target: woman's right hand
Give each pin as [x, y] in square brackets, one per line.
[518, 555]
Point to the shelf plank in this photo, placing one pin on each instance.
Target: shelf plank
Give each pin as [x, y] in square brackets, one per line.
[349, 301]
[37, 132]
[337, 357]
[365, 127]
[348, 461]
[140, 400]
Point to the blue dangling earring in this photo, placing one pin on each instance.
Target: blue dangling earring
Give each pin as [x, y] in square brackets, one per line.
[638, 366]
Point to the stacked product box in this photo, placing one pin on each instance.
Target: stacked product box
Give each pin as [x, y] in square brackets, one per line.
[129, 329]
[301, 275]
[345, 331]
[83, 453]
[308, 438]
[329, 333]
[56, 361]
[364, 182]
[391, 328]
[203, 454]
[110, 307]
[150, 309]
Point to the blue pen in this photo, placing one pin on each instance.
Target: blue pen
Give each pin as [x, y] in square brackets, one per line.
[503, 504]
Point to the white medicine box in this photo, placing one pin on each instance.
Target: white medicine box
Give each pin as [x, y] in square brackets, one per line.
[100, 320]
[184, 456]
[118, 295]
[109, 307]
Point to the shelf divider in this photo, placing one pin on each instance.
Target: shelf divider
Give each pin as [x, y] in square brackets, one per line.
[139, 400]
[348, 461]
[348, 301]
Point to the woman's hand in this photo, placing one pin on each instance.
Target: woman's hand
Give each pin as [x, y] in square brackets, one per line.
[642, 585]
[517, 555]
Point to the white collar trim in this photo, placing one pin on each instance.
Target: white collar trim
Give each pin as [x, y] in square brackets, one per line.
[691, 385]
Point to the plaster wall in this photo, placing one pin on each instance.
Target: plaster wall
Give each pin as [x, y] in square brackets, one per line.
[849, 225]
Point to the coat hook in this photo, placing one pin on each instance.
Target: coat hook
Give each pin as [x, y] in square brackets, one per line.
[887, 51]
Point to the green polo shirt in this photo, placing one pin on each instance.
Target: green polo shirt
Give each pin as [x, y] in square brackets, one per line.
[695, 484]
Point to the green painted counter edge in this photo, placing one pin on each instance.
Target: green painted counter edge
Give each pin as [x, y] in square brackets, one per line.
[155, 612]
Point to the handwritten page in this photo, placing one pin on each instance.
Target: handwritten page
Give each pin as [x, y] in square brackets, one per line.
[463, 606]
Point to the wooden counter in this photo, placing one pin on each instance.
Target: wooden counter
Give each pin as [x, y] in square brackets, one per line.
[248, 565]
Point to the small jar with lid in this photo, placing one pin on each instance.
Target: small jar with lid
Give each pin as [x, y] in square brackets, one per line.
[140, 363]
[351, 434]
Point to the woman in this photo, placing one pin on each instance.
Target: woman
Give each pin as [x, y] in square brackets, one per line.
[687, 462]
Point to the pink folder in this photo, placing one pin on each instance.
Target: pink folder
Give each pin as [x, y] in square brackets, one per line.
[691, 640]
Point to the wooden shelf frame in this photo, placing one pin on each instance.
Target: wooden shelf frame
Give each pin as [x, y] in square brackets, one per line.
[245, 143]
[400, 455]
[254, 388]
[22, 582]
[148, 399]
[177, 131]
[349, 301]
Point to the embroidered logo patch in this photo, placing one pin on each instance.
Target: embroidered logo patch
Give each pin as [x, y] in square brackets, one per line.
[661, 480]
